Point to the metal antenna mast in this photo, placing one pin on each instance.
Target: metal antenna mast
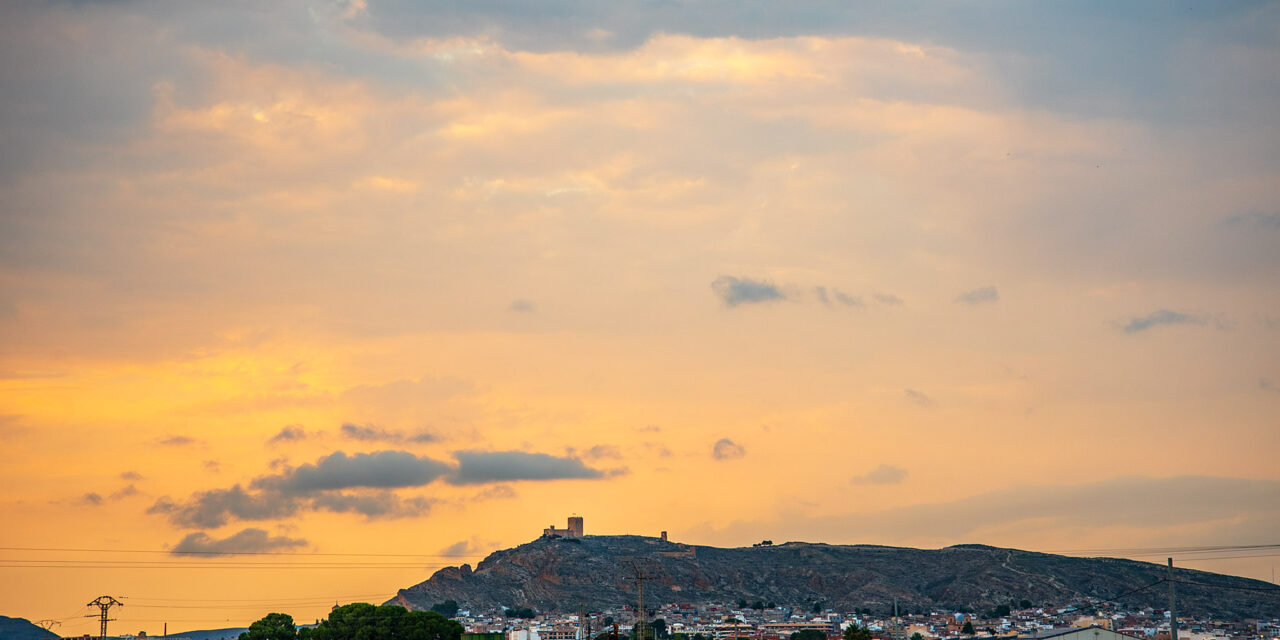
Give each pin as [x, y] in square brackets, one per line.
[103, 603]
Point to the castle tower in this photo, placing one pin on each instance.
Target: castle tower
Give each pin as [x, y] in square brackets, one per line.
[575, 526]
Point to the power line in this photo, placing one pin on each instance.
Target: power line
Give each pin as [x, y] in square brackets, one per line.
[1227, 586]
[249, 553]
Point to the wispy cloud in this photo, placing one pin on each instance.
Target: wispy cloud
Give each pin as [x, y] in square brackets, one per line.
[883, 474]
[291, 433]
[477, 467]
[736, 291]
[981, 295]
[521, 305]
[1161, 317]
[887, 299]
[370, 433]
[178, 441]
[919, 398]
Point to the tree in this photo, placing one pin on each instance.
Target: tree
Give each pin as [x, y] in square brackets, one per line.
[742, 604]
[273, 626]
[659, 627]
[817, 606]
[758, 605]
[917, 636]
[522, 612]
[809, 634]
[363, 621]
[967, 629]
[448, 608]
[854, 632]
[1025, 604]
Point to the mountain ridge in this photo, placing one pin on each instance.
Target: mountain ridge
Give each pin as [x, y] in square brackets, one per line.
[563, 574]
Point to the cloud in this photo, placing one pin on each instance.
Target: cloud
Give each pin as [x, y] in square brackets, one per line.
[130, 475]
[839, 297]
[726, 449]
[91, 498]
[213, 465]
[887, 299]
[461, 549]
[476, 467]
[380, 470]
[883, 474]
[602, 451]
[734, 291]
[1265, 384]
[1159, 317]
[377, 504]
[1248, 507]
[981, 295]
[290, 433]
[1262, 220]
[919, 399]
[247, 541]
[177, 441]
[124, 492]
[377, 434]
[496, 492]
[520, 305]
[214, 508]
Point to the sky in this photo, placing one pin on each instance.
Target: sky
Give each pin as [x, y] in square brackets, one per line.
[416, 280]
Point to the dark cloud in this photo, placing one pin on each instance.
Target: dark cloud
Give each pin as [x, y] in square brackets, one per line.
[887, 298]
[379, 470]
[1159, 317]
[290, 433]
[726, 449]
[91, 498]
[734, 291]
[919, 399]
[377, 504]
[981, 295]
[883, 474]
[477, 467]
[522, 306]
[130, 475]
[244, 542]
[214, 508]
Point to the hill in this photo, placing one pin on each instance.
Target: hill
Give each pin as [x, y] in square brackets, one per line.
[563, 574]
[22, 629]
[209, 634]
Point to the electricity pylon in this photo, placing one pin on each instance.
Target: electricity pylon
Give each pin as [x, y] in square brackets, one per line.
[103, 603]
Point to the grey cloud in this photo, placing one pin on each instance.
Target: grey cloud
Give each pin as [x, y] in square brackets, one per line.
[130, 475]
[1265, 384]
[919, 399]
[378, 504]
[124, 492]
[461, 548]
[1255, 220]
[521, 306]
[839, 297]
[476, 467]
[214, 508]
[981, 295]
[244, 542]
[177, 441]
[1159, 317]
[496, 492]
[602, 451]
[91, 498]
[733, 291]
[213, 465]
[289, 434]
[726, 449]
[377, 434]
[381, 469]
[887, 298]
[883, 474]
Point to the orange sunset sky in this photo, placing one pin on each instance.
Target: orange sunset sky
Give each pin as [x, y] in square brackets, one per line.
[414, 279]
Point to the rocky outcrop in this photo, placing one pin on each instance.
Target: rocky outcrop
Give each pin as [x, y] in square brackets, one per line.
[595, 572]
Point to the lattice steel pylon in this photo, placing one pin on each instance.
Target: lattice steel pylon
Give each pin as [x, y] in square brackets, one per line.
[48, 625]
[103, 603]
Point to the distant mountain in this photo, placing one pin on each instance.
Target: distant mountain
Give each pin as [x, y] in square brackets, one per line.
[563, 574]
[22, 629]
[209, 634]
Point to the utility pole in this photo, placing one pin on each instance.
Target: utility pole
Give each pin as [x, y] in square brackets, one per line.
[1173, 605]
[103, 603]
[48, 624]
[641, 615]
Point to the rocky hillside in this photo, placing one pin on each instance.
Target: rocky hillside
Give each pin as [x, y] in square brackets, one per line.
[563, 574]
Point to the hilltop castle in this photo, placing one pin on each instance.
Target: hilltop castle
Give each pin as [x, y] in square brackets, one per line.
[574, 530]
